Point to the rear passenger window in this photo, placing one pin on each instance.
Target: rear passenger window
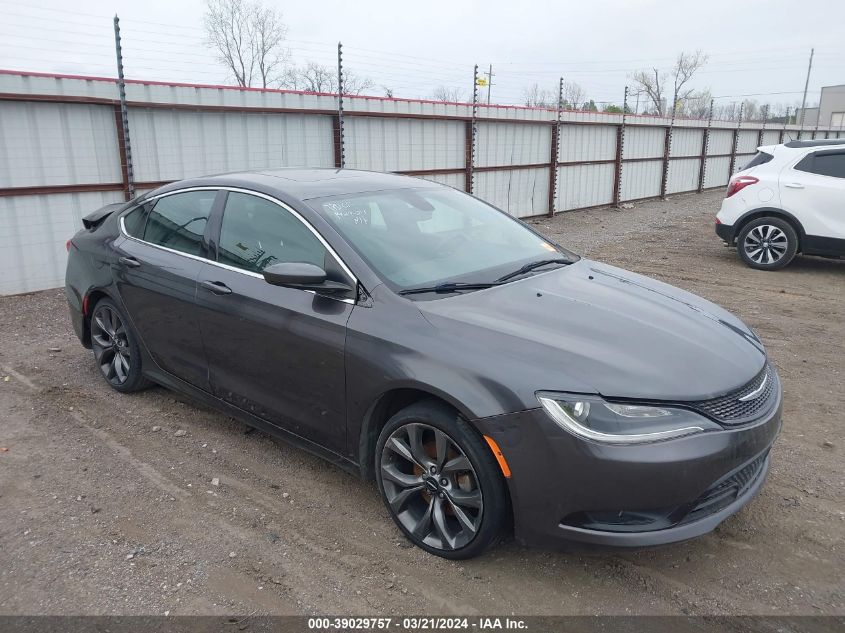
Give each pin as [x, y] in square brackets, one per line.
[135, 221]
[256, 233]
[825, 164]
[178, 221]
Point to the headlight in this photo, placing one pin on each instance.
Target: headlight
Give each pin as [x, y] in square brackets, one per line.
[590, 417]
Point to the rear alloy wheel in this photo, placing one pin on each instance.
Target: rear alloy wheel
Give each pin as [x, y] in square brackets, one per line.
[440, 482]
[767, 243]
[115, 348]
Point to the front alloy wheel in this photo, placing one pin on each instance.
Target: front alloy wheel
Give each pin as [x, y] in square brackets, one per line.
[431, 486]
[440, 482]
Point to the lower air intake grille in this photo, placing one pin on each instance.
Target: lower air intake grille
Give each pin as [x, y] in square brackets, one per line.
[725, 492]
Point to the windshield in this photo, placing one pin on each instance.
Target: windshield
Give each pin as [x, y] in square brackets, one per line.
[424, 237]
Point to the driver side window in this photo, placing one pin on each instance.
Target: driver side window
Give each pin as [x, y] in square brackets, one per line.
[257, 233]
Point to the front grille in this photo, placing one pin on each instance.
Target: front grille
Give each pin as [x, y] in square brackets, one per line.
[726, 491]
[730, 409]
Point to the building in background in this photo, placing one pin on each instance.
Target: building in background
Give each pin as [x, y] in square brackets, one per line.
[830, 111]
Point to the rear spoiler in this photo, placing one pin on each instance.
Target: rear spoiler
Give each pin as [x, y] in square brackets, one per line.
[95, 218]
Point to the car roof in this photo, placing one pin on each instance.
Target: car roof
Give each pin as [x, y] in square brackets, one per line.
[305, 183]
[815, 143]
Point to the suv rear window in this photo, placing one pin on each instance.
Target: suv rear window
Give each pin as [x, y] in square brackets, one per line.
[760, 159]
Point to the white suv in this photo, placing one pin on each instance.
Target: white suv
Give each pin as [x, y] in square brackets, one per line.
[789, 199]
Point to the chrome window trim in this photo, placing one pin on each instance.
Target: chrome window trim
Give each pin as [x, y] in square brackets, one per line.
[249, 273]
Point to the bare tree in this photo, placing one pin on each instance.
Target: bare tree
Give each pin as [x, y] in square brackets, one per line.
[248, 39]
[535, 97]
[697, 105]
[315, 77]
[448, 94]
[659, 86]
[573, 95]
[354, 84]
[651, 83]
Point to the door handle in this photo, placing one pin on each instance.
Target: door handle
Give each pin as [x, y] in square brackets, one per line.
[794, 185]
[131, 262]
[217, 287]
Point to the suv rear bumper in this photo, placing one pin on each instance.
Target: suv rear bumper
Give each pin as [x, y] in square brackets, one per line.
[726, 232]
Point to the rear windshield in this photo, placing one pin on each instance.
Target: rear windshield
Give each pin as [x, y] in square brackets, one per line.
[760, 159]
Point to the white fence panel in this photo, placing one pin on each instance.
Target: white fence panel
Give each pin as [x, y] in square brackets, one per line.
[451, 180]
[512, 144]
[716, 171]
[643, 142]
[582, 186]
[683, 175]
[587, 142]
[771, 137]
[43, 144]
[385, 144]
[175, 144]
[686, 142]
[721, 142]
[33, 233]
[641, 179]
[520, 192]
[747, 141]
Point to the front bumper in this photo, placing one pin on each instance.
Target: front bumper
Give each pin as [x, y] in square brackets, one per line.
[567, 489]
[726, 232]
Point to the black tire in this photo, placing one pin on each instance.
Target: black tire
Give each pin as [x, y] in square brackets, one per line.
[767, 243]
[115, 347]
[467, 508]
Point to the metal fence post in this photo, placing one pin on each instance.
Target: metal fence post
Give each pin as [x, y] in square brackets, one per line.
[785, 123]
[620, 143]
[667, 150]
[472, 129]
[340, 149]
[736, 140]
[555, 151]
[705, 148]
[763, 129]
[122, 121]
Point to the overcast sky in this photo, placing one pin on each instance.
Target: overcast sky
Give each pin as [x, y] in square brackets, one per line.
[756, 47]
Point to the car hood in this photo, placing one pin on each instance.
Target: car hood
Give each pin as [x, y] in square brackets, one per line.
[593, 327]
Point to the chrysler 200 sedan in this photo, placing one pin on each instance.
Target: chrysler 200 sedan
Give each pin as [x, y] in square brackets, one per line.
[486, 377]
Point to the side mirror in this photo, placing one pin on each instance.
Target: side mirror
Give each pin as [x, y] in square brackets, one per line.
[304, 277]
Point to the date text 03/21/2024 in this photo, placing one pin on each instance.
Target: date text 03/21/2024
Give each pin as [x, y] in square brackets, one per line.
[418, 623]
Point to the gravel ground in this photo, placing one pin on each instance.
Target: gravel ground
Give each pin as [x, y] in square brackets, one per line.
[104, 514]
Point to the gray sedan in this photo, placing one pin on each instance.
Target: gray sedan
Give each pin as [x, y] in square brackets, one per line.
[486, 377]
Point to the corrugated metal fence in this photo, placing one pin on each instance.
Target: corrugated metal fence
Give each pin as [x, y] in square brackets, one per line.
[62, 152]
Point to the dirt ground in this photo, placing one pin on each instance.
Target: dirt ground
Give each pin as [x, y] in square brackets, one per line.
[102, 514]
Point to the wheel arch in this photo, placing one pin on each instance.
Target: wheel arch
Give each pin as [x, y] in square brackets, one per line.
[385, 406]
[91, 299]
[771, 212]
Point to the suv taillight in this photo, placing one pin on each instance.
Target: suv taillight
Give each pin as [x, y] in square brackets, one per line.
[740, 183]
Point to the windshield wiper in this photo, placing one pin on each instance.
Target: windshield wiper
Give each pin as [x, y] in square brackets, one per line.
[448, 287]
[531, 266]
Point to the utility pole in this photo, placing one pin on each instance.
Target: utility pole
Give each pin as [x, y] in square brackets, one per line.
[806, 85]
[489, 74]
[124, 114]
